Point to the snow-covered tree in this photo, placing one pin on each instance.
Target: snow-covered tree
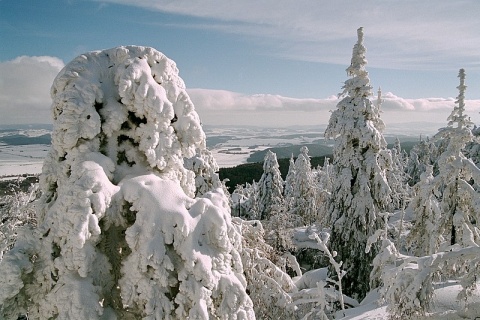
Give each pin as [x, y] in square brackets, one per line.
[423, 154]
[238, 201]
[270, 187]
[245, 202]
[289, 184]
[304, 192]
[472, 149]
[424, 236]
[360, 189]
[460, 201]
[408, 283]
[119, 233]
[323, 181]
[268, 284]
[205, 167]
[17, 209]
[397, 177]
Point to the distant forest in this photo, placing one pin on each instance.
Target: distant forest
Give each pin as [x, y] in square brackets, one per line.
[248, 172]
[253, 171]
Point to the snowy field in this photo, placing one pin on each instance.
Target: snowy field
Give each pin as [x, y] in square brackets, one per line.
[22, 159]
[230, 146]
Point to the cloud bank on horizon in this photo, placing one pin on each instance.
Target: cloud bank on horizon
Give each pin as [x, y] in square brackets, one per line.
[226, 107]
[25, 98]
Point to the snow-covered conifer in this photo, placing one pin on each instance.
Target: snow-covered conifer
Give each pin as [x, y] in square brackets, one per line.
[252, 203]
[269, 285]
[472, 149]
[289, 183]
[409, 281]
[460, 200]
[323, 181]
[424, 236]
[304, 192]
[379, 101]
[17, 209]
[422, 155]
[397, 177]
[205, 167]
[270, 187]
[238, 201]
[360, 190]
[119, 234]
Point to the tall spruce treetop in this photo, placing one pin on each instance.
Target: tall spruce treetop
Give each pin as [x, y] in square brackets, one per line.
[360, 191]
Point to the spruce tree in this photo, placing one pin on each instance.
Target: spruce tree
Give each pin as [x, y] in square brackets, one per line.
[304, 192]
[270, 187]
[422, 155]
[397, 178]
[323, 179]
[289, 184]
[456, 172]
[360, 189]
[424, 236]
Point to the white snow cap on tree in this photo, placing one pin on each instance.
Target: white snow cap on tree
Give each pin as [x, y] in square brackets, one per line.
[359, 84]
[119, 234]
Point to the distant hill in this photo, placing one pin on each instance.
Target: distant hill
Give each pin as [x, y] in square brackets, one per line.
[253, 171]
[15, 127]
[319, 149]
[20, 139]
[248, 172]
[314, 150]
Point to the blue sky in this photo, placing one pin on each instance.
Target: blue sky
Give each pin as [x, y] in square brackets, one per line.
[295, 49]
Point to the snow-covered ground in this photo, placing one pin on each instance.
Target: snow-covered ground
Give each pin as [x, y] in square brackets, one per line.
[230, 146]
[22, 159]
[445, 306]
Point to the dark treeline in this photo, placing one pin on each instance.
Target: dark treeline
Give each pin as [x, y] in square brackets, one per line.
[253, 171]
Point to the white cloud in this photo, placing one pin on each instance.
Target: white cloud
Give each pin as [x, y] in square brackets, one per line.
[392, 102]
[232, 108]
[25, 89]
[428, 34]
[221, 100]
[25, 98]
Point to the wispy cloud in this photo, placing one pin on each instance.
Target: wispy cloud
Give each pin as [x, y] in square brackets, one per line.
[431, 34]
[25, 89]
